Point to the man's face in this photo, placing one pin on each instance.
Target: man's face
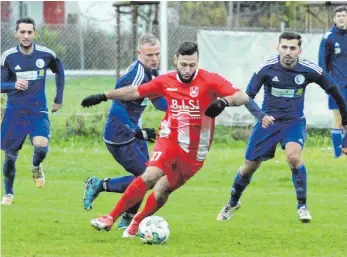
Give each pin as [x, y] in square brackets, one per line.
[289, 51]
[25, 35]
[340, 19]
[186, 66]
[149, 55]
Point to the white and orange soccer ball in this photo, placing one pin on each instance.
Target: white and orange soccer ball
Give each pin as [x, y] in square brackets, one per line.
[154, 230]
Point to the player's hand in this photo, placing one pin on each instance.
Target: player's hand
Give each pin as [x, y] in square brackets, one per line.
[93, 100]
[56, 107]
[147, 134]
[21, 85]
[216, 107]
[267, 121]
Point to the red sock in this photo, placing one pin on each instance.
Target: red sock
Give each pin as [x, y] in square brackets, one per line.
[132, 195]
[151, 206]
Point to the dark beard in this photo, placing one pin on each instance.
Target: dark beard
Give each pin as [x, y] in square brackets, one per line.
[186, 80]
[26, 47]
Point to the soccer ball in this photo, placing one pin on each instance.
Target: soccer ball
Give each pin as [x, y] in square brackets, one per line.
[154, 230]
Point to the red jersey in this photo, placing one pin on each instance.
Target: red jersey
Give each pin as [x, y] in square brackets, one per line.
[185, 121]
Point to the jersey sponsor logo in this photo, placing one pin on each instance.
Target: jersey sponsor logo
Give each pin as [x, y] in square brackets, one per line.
[185, 109]
[276, 79]
[289, 93]
[17, 67]
[171, 89]
[299, 79]
[194, 91]
[30, 75]
[40, 63]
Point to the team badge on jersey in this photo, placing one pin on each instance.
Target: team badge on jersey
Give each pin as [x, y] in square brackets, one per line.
[299, 79]
[40, 63]
[194, 91]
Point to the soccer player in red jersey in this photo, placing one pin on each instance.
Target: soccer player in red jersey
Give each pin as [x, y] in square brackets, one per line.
[185, 134]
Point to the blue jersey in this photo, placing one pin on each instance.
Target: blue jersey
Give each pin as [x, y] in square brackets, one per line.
[124, 116]
[284, 89]
[333, 55]
[32, 67]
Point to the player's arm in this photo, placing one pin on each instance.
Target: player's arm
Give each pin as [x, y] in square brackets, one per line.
[253, 88]
[7, 85]
[324, 53]
[57, 67]
[160, 103]
[229, 96]
[326, 82]
[150, 89]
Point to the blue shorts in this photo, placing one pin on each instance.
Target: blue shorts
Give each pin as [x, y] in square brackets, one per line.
[262, 142]
[17, 123]
[132, 156]
[331, 102]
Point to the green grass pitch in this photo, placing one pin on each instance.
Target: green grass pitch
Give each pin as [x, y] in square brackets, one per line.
[52, 222]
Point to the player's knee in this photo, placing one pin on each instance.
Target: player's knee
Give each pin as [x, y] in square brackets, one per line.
[294, 159]
[249, 168]
[161, 195]
[152, 175]
[40, 141]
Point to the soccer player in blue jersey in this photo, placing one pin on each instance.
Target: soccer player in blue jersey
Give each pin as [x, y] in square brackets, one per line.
[124, 138]
[333, 59]
[23, 78]
[281, 119]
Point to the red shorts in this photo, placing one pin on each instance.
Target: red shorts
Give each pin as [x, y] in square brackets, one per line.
[177, 165]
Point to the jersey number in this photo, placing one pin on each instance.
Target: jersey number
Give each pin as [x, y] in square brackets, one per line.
[156, 156]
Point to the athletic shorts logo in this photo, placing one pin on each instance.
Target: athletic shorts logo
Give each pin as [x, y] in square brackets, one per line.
[194, 91]
[299, 79]
[40, 63]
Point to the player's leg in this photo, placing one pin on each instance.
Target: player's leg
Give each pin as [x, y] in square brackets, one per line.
[13, 134]
[134, 194]
[299, 178]
[293, 144]
[40, 152]
[155, 200]
[241, 181]
[176, 175]
[261, 147]
[39, 135]
[336, 130]
[9, 169]
[133, 160]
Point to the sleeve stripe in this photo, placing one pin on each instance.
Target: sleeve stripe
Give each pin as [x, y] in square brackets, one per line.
[45, 49]
[270, 61]
[139, 76]
[7, 53]
[311, 65]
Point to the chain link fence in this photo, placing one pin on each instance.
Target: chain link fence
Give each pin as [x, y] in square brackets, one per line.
[87, 45]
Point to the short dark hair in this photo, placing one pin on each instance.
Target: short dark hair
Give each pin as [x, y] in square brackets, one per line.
[290, 36]
[187, 48]
[341, 8]
[26, 20]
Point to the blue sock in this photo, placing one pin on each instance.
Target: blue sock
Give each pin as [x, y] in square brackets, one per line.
[336, 138]
[240, 183]
[300, 183]
[9, 171]
[119, 184]
[39, 155]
